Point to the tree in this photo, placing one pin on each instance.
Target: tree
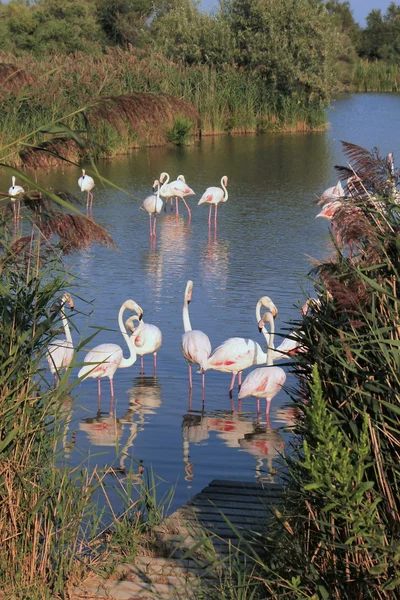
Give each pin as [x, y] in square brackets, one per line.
[286, 42]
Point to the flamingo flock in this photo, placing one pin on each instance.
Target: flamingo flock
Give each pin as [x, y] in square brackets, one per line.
[233, 356]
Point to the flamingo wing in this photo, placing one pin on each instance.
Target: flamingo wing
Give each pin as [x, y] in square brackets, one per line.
[196, 348]
[212, 195]
[265, 382]
[234, 355]
[107, 357]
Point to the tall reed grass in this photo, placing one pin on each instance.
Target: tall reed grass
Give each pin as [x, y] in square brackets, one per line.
[215, 102]
[375, 76]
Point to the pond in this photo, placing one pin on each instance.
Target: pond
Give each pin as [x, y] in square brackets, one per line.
[264, 244]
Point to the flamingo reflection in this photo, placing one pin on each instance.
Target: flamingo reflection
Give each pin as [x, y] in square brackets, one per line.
[266, 444]
[214, 261]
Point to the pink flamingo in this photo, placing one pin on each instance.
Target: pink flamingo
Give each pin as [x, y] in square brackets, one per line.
[267, 381]
[332, 193]
[236, 354]
[147, 339]
[215, 195]
[153, 206]
[196, 347]
[15, 191]
[86, 183]
[105, 359]
[61, 352]
[176, 189]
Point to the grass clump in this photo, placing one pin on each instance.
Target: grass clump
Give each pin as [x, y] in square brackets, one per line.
[180, 132]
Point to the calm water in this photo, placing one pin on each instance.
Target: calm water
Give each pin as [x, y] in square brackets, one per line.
[265, 238]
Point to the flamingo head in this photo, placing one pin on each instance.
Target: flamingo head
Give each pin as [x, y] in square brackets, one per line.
[129, 323]
[13, 181]
[83, 172]
[67, 299]
[156, 184]
[268, 317]
[267, 303]
[225, 180]
[132, 305]
[163, 176]
[181, 178]
[188, 291]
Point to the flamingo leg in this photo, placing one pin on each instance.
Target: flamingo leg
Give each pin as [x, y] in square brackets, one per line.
[239, 381]
[267, 406]
[215, 215]
[155, 363]
[151, 229]
[177, 205]
[91, 201]
[232, 384]
[154, 225]
[98, 387]
[209, 216]
[258, 409]
[171, 201]
[190, 376]
[203, 381]
[111, 387]
[18, 209]
[15, 215]
[188, 209]
[142, 364]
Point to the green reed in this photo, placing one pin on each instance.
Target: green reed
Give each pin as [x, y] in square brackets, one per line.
[225, 101]
[376, 76]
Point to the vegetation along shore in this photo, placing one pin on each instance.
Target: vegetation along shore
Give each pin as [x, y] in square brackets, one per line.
[149, 74]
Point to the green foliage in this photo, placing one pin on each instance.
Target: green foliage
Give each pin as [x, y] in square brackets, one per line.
[179, 133]
[380, 39]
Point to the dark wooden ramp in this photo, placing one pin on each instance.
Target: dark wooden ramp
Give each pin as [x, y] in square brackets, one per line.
[192, 545]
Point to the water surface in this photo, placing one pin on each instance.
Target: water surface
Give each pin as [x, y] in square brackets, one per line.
[264, 243]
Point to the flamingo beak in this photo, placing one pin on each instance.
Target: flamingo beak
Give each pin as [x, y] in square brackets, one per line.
[71, 304]
[260, 325]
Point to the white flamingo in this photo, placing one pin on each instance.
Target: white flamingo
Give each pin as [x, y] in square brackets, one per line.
[105, 359]
[196, 346]
[147, 339]
[176, 189]
[236, 354]
[213, 196]
[153, 206]
[15, 191]
[267, 381]
[61, 352]
[86, 183]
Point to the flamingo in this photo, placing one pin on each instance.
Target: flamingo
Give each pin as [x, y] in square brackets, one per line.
[15, 191]
[61, 352]
[196, 347]
[86, 183]
[153, 206]
[105, 359]
[236, 354]
[147, 339]
[215, 195]
[177, 189]
[267, 381]
[332, 193]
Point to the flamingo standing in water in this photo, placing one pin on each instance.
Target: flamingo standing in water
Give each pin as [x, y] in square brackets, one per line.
[147, 339]
[196, 347]
[61, 352]
[153, 206]
[236, 354]
[86, 183]
[267, 381]
[215, 195]
[15, 191]
[176, 189]
[105, 359]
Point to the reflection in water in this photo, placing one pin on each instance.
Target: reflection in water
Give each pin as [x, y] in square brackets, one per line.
[106, 430]
[152, 264]
[174, 240]
[237, 430]
[214, 261]
[264, 443]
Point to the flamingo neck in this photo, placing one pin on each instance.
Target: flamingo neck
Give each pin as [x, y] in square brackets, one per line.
[138, 330]
[225, 198]
[258, 317]
[126, 362]
[65, 323]
[186, 319]
[270, 360]
[13, 181]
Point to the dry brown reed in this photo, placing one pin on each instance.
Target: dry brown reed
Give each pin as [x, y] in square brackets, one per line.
[47, 155]
[13, 78]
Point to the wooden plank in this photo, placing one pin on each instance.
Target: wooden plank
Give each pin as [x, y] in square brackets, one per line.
[260, 493]
[232, 502]
[228, 483]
